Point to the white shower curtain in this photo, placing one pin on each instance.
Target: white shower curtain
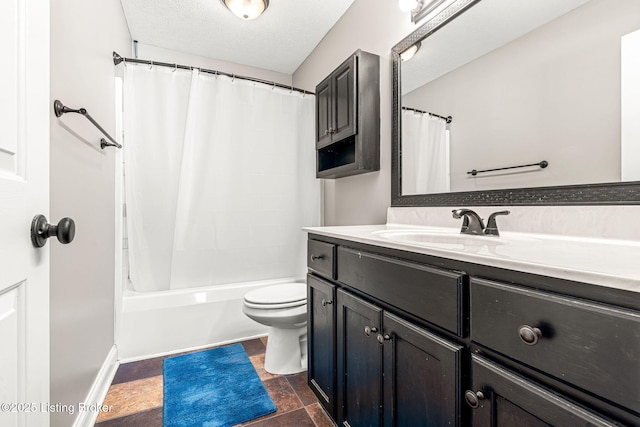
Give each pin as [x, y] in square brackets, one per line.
[219, 177]
[425, 154]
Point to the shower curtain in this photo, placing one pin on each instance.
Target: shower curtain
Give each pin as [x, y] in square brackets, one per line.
[425, 154]
[219, 178]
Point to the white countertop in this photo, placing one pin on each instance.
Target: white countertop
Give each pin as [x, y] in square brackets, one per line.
[605, 262]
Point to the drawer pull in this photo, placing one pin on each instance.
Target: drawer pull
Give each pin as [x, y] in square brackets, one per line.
[325, 302]
[317, 257]
[529, 335]
[368, 330]
[473, 398]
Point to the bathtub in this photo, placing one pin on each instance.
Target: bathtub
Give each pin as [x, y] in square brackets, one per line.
[160, 323]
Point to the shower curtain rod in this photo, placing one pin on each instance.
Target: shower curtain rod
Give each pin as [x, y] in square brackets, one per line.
[447, 119]
[117, 59]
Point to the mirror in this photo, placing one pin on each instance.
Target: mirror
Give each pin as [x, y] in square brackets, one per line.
[533, 89]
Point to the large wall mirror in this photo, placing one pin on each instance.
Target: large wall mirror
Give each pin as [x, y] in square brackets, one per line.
[519, 103]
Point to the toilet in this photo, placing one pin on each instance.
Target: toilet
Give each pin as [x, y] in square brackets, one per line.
[283, 308]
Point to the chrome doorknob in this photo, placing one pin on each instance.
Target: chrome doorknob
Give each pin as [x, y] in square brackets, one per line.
[41, 230]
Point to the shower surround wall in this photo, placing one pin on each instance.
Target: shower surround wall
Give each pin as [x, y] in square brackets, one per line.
[214, 208]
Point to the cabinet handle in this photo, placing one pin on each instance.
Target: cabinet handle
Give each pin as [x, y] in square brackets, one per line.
[332, 130]
[326, 132]
[325, 302]
[529, 335]
[473, 398]
[317, 257]
[382, 339]
[368, 330]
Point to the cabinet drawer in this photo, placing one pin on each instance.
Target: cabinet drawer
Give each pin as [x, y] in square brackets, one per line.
[592, 346]
[428, 293]
[321, 258]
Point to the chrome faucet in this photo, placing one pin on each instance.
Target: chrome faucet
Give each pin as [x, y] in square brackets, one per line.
[472, 223]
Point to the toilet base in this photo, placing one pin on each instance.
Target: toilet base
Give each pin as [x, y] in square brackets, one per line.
[286, 351]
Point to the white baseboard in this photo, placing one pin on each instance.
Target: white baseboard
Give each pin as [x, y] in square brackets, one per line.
[98, 391]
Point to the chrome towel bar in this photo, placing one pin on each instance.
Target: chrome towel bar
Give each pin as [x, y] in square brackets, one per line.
[60, 109]
[543, 164]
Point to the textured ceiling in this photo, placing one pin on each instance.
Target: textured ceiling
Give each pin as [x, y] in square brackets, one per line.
[279, 40]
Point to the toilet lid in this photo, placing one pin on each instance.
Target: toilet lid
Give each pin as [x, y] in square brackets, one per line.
[278, 294]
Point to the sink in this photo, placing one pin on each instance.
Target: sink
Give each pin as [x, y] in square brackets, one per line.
[449, 238]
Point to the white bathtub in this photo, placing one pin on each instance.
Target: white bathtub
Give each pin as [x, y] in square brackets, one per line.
[159, 323]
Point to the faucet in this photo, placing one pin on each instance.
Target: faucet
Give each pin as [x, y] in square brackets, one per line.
[472, 223]
[492, 227]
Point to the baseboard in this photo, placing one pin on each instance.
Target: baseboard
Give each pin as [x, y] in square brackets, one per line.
[98, 391]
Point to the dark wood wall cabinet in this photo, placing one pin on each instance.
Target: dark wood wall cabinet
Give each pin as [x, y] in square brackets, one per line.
[404, 339]
[348, 118]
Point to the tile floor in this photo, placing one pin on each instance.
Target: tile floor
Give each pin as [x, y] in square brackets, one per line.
[136, 395]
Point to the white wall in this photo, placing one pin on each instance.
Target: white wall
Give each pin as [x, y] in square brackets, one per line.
[373, 26]
[83, 35]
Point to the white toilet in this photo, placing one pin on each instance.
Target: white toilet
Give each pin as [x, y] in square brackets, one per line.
[284, 309]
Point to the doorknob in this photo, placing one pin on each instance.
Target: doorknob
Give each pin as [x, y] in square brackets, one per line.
[41, 230]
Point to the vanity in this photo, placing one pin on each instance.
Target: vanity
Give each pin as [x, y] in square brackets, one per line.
[423, 326]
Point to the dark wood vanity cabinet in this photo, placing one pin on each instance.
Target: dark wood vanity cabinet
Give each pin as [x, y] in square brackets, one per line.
[321, 339]
[396, 341]
[421, 381]
[359, 361]
[392, 372]
[348, 118]
[386, 369]
[589, 345]
[502, 398]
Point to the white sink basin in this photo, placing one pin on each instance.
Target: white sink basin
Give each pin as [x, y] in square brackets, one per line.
[449, 239]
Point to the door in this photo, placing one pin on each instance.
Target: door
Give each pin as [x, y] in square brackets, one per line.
[323, 113]
[359, 361]
[322, 340]
[421, 376]
[24, 192]
[503, 398]
[345, 100]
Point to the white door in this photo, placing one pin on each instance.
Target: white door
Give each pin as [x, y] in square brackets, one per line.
[24, 192]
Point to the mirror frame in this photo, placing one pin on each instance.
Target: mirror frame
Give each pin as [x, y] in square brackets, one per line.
[616, 193]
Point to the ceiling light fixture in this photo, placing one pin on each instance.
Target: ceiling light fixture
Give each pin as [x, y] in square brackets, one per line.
[421, 8]
[410, 5]
[247, 9]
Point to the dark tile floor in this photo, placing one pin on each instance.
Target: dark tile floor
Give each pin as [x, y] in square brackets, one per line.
[135, 395]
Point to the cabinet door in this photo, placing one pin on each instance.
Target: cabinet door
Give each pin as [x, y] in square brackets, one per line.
[421, 376]
[359, 361]
[321, 341]
[503, 398]
[345, 100]
[323, 113]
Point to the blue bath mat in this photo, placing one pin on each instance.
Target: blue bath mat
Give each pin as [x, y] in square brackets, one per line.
[213, 388]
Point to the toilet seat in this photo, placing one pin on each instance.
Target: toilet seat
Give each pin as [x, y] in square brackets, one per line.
[277, 296]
